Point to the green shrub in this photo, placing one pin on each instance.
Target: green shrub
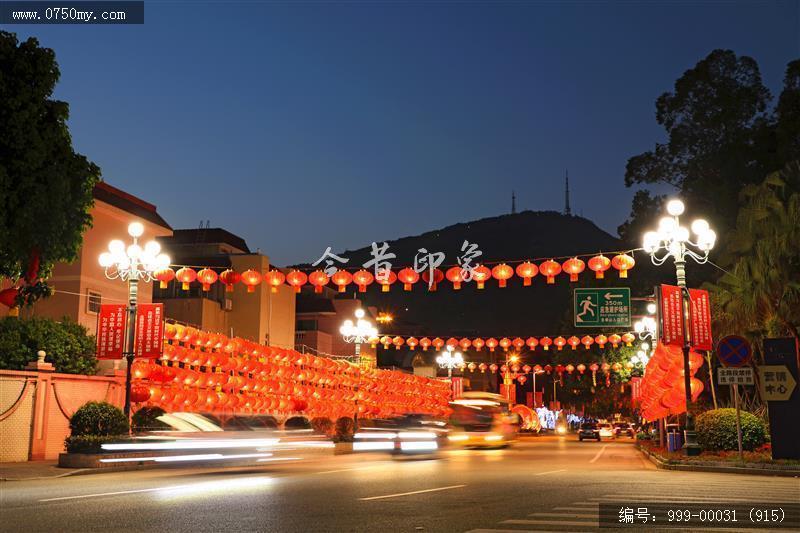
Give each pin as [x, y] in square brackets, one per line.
[68, 345]
[89, 443]
[716, 430]
[322, 425]
[146, 419]
[98, 418]
[643, 436]
[344, 429]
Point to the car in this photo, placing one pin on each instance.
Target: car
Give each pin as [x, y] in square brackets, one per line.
[589, 430]
[623, 429]
[606, 430]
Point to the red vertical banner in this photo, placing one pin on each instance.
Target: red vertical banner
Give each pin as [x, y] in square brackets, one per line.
[671, 315]
[701, 319]
[457, 385]
[149, 339]
[111, 331]
[636, 389]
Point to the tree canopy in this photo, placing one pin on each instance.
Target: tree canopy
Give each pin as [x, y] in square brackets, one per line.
[45, 186]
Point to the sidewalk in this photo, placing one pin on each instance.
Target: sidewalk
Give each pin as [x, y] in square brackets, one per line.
[34, 470]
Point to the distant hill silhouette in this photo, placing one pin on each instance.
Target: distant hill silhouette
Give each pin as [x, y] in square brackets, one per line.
[537, 310]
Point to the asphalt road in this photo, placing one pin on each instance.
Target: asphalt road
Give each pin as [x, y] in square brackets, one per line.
[546, 483]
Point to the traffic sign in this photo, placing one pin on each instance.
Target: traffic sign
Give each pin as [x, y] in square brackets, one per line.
[734, 350]
[603, 307]
[777, 383]
[735, 376]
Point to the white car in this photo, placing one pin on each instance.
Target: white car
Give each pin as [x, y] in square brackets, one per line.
[606, 430]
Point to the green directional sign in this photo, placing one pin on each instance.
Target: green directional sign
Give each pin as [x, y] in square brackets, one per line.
[603, 307]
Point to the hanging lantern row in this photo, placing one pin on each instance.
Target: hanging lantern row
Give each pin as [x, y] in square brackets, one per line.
[549, 269]
[663, 390]
[207, 372]
[607, 368]
[398, 341]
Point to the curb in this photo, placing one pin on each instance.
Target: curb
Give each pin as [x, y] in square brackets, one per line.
[65, 474]
[663, 465]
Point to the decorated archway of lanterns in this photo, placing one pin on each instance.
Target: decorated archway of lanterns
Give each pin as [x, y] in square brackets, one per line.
[501, 272]
[211, 373]
[663, 391]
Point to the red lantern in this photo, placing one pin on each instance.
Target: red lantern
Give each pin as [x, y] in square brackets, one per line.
[545, 342]
[573, 341]
[398, 342]
[502, 273]
[522, 379]
[505, 342]
[251, 278]
[614, 339]
[454, 276]
[599, 264]
[164, 276]
[532, 343]
[471, 367]
[274, 278]
[482, 367]
[186, 275]
[342, 278]
[465, 343]
[437, 344]
[452, 342]
[623, 263]
[412, 342]
[438, 276]
[140, 393]
[491, 344]
[408, 277]
[570, 368]
[362, 278]
[518, 343]
[385, 278]
[229, 278]
[628, 339]
[478, 343]
[425, 342]
[493, 368]
[581, 368]
[550, 269]
[480, 274]
[296, 279]
[206, 277]
[527, 369]
[587, 341]
[601, 341]
[560, 342]
[573, 267]
[318, 279]
[527, 271]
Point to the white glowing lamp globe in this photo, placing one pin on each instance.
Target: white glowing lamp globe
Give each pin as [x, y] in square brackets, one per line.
[152, 248]
[682, 234]
[359, 313]
[666, 226]
[651, 308]
[106, 259]
[699, 227]
[651, 241]
[134, 251]
[675, 208]
[135, 229]
[117, 248]
[162, 261]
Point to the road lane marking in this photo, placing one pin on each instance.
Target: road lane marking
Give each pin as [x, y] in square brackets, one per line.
[100, 494]
[552, 522]
[550, 472]
[345, 470]
[596, 457]
[412, 492]
[564, 515]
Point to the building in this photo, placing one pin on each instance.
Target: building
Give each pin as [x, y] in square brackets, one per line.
[81, 286]
[319, 317]
[262, 316]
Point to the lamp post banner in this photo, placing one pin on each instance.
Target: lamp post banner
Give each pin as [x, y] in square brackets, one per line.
[670, 314]
[149, 340]
[111, 331]
[701, 319]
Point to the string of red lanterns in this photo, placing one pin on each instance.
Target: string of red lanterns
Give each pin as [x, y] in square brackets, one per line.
[518, 343]
[663, 391]
[208, 372]
[559, 369]
[502, 273]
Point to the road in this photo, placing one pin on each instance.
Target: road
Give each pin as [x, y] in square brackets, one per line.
[548, 483]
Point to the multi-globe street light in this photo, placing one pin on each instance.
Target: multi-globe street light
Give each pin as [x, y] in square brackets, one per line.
[450, 359]
[358, 333]
[132, 264]
[672, 240]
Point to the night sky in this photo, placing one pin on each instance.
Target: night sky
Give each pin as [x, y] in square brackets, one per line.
[302, 126]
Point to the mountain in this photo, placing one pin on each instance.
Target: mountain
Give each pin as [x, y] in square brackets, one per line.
[538, 310]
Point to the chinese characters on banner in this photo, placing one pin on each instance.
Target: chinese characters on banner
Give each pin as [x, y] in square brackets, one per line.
[149, 340]
[701, 319]
[671, 310]
[111, 331]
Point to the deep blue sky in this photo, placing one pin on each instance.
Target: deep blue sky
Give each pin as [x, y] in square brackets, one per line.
[301, 126]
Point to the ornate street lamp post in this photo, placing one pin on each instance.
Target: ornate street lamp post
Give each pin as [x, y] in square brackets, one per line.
[132, 264]
[673, 240]
[450, 360]
[358, 333]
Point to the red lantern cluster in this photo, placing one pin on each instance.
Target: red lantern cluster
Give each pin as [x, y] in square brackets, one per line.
[505, 343]
[208, 372]
[663, 391]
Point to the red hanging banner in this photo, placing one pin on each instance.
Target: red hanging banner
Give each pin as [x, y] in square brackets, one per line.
[111, 331]
[701, 319]
[671, 315]
[149, 340]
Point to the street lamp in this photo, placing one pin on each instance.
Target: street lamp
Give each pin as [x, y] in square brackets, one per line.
[673, 240]
[534, 385]
[131, 264]
[358, 333]
[450, 360]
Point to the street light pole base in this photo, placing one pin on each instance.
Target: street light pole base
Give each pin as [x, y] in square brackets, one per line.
[690, 446]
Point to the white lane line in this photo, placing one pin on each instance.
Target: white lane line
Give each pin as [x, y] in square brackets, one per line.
[596, 457]
[99, 494]
[563, 515]
[550, 472]
[412, 492]
[345, 470]
[552, 522]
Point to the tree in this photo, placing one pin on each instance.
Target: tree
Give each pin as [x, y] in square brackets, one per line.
[45, 186]
[713, 118]
[759, 295]
[68, 345]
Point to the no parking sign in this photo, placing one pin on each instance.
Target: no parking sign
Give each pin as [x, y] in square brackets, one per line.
[734, 351]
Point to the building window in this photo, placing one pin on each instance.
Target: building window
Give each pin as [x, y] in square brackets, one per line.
[93, 300]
